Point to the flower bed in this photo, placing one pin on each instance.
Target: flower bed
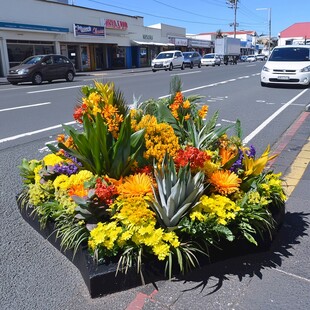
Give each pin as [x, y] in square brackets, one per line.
[155, 185]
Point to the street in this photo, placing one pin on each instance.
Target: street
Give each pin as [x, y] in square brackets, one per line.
[29, 112]
[34, 275]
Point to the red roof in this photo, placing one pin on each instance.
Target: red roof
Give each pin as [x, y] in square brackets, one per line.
[296, 30]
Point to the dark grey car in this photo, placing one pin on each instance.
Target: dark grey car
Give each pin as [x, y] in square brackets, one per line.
[39, 68]
[192, 59]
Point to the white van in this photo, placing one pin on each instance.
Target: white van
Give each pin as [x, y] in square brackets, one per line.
[168, 61]
[289, 64]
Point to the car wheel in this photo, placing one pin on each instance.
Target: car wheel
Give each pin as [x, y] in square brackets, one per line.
[153, 70]
[182, 67]
[213, 65]
[191, 65]
[69, 76]
[170, 67]
[199, 65]
[37, 78]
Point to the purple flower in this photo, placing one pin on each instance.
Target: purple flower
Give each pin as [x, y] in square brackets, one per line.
[67, 169]
[238, 163]
[251, 152]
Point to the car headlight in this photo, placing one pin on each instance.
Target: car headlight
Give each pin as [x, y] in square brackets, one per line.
[306, 69]
[265, 69]
[166, 63]
[23, 71]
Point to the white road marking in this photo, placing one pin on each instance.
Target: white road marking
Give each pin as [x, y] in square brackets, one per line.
[25, 106]
[30, 133]
[270, 118]
[53, 89]
[185, 73]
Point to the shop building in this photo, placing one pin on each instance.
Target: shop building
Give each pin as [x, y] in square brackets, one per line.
[298, 33]
[92, 39]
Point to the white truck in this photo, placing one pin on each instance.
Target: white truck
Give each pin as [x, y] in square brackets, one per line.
[228, 48]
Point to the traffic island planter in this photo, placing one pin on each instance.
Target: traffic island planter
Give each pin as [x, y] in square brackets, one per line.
[101, 279]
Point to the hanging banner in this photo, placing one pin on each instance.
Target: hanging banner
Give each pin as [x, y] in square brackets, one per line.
[88, 30]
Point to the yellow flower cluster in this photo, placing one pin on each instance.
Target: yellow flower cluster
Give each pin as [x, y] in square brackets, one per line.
[217, 207]
[65, 182]
[39, 193]
[134, 222]
[159, 139]
[273, 185]
[52, 160]
[256, 199]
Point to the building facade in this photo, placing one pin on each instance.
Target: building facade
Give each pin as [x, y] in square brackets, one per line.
[298, 33]
[91, 39]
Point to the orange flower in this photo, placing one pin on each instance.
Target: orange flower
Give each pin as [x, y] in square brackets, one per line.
[226, 155]
[138, 184]
[225, 182]
[203, 111]
[78, 190]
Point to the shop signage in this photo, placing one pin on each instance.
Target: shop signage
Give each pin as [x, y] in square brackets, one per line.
[199, 43]
[33, 27]
[147, 37]
[178, 41]
[116, 24]
[88, 30]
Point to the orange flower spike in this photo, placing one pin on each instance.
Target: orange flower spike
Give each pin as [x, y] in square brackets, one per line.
[61, 138]
[186, 104]
[203, 111]
[226, 155]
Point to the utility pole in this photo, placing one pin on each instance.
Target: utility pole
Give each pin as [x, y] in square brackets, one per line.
[233, 5]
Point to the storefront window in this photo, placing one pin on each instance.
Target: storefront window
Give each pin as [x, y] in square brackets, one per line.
[118, 57]
[20, 50]
[85, 58]
[143, 57]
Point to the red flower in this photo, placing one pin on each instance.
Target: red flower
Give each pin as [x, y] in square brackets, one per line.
[105, 192]
[192, 156]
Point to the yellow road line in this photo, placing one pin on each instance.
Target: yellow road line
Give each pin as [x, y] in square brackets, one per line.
[297, 169]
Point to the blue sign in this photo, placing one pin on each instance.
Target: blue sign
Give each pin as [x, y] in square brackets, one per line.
[32, 27]
[87, 30]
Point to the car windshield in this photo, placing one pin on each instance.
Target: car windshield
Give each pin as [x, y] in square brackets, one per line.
[290, 54]
[187, 55]
[32, 60]
[164, 55]
[208, 56]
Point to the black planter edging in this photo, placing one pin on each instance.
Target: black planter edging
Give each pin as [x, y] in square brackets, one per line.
[102, 279]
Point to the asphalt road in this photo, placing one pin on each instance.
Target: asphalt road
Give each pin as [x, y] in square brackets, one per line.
[34, 275]
[29, 112]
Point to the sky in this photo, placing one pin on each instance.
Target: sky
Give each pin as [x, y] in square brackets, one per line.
[200, 16]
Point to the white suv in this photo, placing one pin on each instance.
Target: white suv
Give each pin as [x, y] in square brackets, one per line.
[289, 64]
[168, 60]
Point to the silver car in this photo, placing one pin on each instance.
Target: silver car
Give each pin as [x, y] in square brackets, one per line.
[211, 60]
[192, 59]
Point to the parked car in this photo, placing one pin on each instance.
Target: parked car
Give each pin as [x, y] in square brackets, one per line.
[289, 64]
[261, 57]
[39, 68]
[192, 59]
[243, 57]
[168, 61]
[251, 58]
[211, 60]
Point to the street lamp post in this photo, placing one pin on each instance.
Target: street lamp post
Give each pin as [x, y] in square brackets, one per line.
[269, 26]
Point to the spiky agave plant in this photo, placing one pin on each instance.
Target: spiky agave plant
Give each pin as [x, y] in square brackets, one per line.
[177, 192]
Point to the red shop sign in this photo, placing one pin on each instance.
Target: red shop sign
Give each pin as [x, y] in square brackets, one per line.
[116, 24]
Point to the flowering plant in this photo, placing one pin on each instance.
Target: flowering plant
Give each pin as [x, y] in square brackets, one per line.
[158, 182]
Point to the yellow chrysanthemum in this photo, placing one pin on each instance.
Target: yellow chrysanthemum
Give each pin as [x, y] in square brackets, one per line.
[138, 184]
[52, 160]
[217, 207]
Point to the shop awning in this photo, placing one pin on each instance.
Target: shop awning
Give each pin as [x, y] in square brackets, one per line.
[151, 43]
